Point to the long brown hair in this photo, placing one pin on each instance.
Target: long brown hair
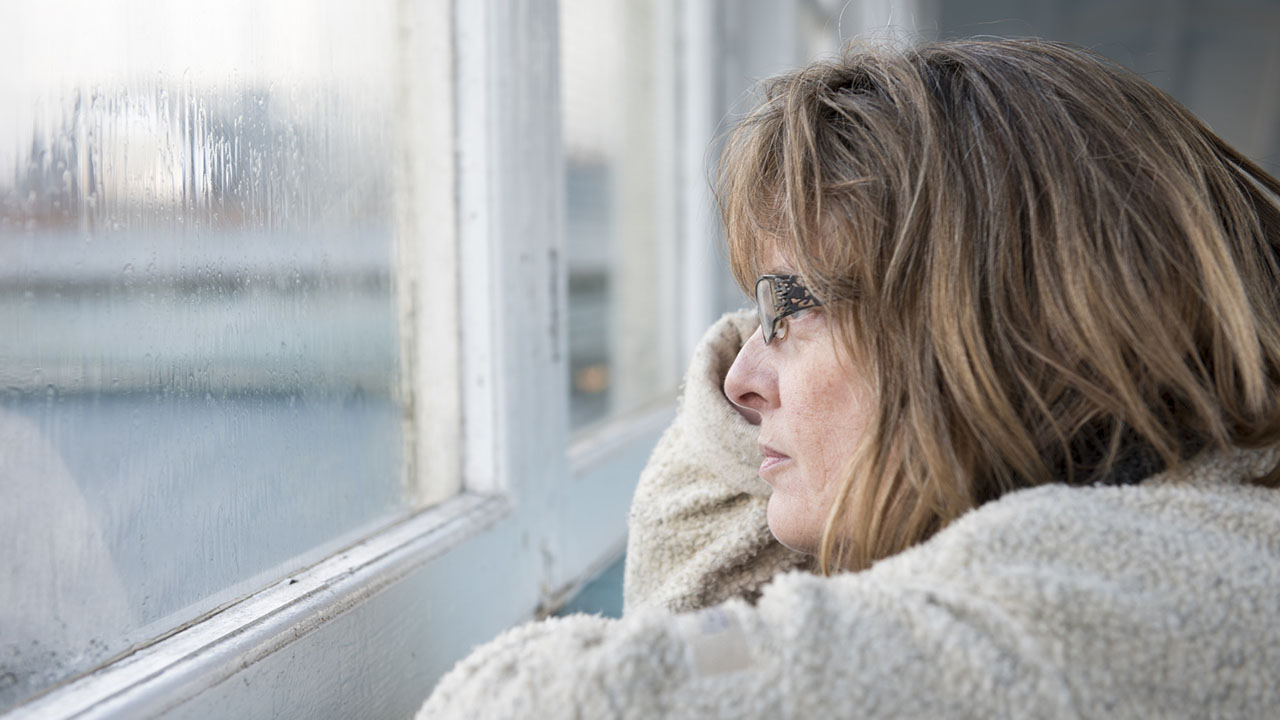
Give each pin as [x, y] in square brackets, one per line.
[1050, 270]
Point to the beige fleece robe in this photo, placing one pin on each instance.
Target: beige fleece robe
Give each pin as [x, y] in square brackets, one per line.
[1160, 599]
[698, 533]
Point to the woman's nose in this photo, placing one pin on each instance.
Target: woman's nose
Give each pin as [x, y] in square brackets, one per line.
[750, 385]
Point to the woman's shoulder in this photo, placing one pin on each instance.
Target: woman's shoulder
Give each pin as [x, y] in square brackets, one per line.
[1202, 508]
[1114, 600]
[1136, 601]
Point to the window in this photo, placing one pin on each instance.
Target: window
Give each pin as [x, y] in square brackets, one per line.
[618, 105]
[214, 255]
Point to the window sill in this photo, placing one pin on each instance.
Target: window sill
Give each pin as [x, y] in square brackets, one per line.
[167, 673]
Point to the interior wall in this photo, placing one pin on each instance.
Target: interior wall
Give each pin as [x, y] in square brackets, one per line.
[1220, 58]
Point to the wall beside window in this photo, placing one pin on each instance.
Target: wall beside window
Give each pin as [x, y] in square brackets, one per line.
[1220, 59]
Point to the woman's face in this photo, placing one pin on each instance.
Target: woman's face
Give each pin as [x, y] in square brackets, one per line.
[812, 411]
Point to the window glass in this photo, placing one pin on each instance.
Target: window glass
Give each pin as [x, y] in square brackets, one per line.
[199, 344]
[618, 104]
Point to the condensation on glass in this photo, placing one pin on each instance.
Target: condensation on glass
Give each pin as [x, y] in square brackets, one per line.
[199, 345]
[618, 98]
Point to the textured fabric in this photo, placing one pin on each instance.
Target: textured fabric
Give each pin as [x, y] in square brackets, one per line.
[1158, 599]
[1155, 600]
[698, 533]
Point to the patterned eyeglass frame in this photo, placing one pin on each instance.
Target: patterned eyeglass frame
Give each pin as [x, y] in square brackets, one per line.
[789, 297]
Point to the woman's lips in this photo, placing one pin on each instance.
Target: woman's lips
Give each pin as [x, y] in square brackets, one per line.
[771, 458]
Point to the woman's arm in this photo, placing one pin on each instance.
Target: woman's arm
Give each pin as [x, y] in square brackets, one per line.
[698, 532]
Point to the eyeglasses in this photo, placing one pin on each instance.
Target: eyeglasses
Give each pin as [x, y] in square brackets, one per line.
[778, 296]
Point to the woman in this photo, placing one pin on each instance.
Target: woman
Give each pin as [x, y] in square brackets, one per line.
[1012, 390]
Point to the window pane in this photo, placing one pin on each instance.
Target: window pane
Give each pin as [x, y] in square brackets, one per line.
[199, 353]
[618, 100]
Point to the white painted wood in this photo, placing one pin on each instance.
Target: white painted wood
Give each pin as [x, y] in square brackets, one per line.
[598, 445]
[525, 169]
[427, 253]
[478, 246]
[591, 514]
[374, 629]
[195, 659]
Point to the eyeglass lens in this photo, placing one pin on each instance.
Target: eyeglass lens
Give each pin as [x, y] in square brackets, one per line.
[765, 307]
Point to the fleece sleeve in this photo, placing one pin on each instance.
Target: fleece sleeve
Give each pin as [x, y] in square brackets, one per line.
[1156, 600]
[648, 665]
[698, 534]
[801, 652]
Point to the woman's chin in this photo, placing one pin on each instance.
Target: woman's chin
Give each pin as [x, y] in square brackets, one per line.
[792, 531]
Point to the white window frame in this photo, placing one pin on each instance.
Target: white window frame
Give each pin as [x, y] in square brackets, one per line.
[367, 632]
